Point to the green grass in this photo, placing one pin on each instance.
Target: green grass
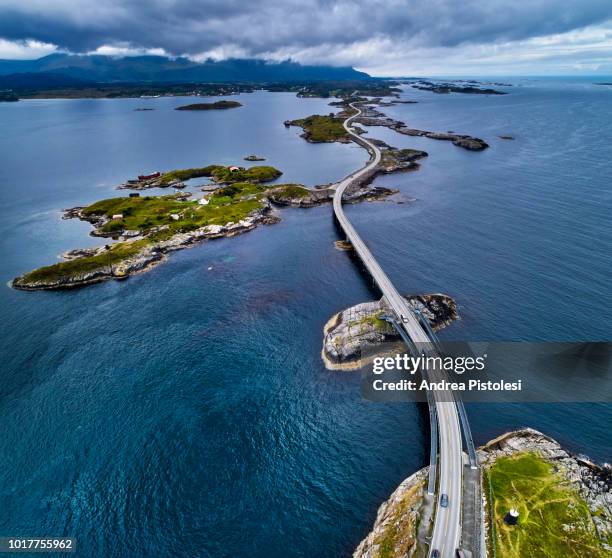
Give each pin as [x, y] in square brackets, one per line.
[229, 204]
[372, 321]
[286, 191]
[261, 173]
[554, 521]
[318, 128]
[186, 174]
[118, 252]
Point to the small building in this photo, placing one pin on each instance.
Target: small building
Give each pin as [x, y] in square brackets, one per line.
[134, 195]
[203, 201]
[511, 517]
[117, 216]
[234, 169]
[175, 216]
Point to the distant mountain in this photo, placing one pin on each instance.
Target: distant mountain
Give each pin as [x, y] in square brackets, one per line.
[160, 69]
[41, 80]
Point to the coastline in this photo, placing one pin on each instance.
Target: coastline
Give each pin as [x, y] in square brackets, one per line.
[153, 252]
[397, 530]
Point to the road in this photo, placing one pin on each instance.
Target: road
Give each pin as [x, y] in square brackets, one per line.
[447, 524]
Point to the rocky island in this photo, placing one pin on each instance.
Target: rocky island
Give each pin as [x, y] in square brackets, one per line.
[563, 504]
[148, 228]
[454, 88]
[362, 326]
[372, 117]
[322, 129]
[218, 173]
[211, 106]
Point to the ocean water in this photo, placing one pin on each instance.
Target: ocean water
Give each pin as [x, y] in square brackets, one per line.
[186, 411]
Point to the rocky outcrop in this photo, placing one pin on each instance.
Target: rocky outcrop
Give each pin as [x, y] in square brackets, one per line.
[300, 196]
[592, 482]
[395, 529]
[347, 333]
[81, 253]
[372, 117]
[470, 143]
[394, 533]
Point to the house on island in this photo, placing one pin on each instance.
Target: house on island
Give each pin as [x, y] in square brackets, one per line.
[203, 201]
[234, 169]
[117, 216]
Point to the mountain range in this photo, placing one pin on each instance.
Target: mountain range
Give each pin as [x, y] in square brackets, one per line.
[107, 69]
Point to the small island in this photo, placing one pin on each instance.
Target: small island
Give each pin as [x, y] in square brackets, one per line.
[211, 106]
[370, 116]
[361, 326]
[218, 173]
[322, 129]
[540, 500]
[454, 88]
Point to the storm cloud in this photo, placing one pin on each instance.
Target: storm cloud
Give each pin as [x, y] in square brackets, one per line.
[373, 33]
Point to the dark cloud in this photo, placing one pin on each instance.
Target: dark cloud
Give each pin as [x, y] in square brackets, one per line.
[259, 27]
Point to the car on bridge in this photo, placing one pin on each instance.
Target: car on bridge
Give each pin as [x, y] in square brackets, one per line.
[444, 501]
[435, 553]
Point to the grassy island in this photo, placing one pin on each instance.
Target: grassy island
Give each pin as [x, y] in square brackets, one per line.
[221, 174]
[553, 520]
[231, 203]
[155, 225]
[322, 129]
[211, 106]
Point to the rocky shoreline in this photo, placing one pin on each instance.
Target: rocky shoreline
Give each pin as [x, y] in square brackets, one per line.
[361, 326]
[394, 532]
[142, 248]
[372, 117]
[593, 482]
[148, 256]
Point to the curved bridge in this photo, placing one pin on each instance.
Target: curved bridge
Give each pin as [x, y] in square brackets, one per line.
[446, 536]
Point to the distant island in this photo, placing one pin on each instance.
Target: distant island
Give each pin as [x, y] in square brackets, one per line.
[453, 88]
[211, 106]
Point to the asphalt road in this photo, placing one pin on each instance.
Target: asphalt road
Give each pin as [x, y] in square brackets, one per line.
[447, 524]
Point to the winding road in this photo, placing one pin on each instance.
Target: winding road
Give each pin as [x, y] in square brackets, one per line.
[446, 533]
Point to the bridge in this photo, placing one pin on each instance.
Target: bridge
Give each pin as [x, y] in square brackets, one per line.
[446, 415]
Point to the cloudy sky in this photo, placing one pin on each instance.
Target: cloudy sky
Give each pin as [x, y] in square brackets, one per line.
[382, 37]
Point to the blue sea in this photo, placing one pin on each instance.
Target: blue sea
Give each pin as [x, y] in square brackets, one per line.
[186, 411]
